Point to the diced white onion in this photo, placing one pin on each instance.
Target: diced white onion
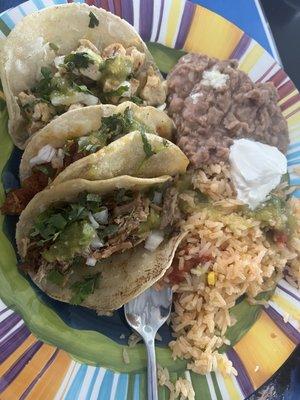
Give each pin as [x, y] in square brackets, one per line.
[96, 243]
[157, 198]
[45, 155]
[154, 240]
[58, 61]
[101, 216]
[93, 221]
[91, 261]
[74, 97]
[162, 107]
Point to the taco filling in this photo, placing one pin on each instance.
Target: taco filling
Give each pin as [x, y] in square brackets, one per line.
[92, 228]
[87, 77]
[50, 161]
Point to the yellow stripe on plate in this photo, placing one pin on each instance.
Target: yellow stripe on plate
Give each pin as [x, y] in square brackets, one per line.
[231, 389]
[293, 120]
[251, 58]
[173, 21]
[263, 349]
[292, 108]
[212, 35]
[286, 306]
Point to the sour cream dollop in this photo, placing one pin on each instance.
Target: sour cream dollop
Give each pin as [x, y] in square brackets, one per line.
[256, 169]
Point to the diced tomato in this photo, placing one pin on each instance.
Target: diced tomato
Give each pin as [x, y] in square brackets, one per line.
[177, 275]
[281, 238]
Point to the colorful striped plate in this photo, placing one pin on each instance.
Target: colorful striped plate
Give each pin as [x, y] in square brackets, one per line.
[58, 351]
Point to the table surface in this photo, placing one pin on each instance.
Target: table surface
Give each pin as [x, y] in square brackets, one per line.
[284, 18]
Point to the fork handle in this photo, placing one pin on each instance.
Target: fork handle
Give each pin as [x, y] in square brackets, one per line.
[152, 374]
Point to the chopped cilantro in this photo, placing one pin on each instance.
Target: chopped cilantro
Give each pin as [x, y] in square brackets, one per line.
[147, 146]
[82, 289]
[94, 21]
[50, 224]
[77, 212]
[105, 97]
[78, 60]
[119, 124]
[58, 221]
[55, 277]
[53, 46]
[136, 99]
[80, 88]
[44, 87]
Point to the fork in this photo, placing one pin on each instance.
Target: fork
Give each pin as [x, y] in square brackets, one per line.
[146, 314]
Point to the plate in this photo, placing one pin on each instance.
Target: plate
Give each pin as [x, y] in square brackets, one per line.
[58, 351]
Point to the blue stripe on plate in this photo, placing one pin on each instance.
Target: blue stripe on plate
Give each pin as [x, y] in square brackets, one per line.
[122, 388]
[294, 162]
[295, 154]
[8, 21]
[105, 388]
[39, 4]
[21, 11]
[295, 182]
[92, 384]
[293, 145]
[77, 383]
[136, 387]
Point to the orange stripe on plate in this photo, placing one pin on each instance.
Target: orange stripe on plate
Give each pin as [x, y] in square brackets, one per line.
[47, 387]
[27, 375]
[265, 346]
[16, 354]
[212, 35]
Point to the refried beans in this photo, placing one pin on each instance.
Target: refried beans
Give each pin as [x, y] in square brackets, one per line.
[212, 103]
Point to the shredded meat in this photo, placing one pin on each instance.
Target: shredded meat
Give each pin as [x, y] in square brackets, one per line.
[136, 212]
[117, 248]
[170, 210]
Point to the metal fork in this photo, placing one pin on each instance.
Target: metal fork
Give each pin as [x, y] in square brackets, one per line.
[146, 314]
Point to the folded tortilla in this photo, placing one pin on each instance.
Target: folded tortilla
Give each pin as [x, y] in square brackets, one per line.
[27, 49]
[124, 156]
[122, 276]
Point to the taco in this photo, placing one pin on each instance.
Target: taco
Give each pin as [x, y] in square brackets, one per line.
[71, 56]
[99, 243]
[89, 143]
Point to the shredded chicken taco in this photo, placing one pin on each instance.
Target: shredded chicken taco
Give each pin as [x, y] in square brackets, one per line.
[97, 142]
[71, 56]
[98, 243]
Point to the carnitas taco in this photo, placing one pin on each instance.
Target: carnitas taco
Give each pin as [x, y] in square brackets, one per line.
[71, 56]
[99, 243]
[93, 143]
